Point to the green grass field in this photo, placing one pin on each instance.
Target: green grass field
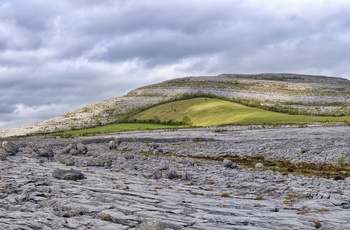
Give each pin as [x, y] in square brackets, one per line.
[205, 112]
[213, 112]
[116, 128]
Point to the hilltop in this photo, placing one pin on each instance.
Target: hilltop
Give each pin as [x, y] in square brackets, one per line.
[287, 93]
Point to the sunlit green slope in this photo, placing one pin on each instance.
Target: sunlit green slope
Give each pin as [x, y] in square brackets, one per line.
[209, 112]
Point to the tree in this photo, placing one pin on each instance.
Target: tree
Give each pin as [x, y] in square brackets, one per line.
[186, 120]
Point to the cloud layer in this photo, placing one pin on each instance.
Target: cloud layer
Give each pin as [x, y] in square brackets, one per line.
[61, 56]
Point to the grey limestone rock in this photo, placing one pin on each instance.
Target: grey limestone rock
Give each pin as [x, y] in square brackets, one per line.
[229, 164]
[44, 151]
[112, 145]
[3, 154]
[73, 152]
[259, 165]
[129, 156]
[68, 174]
[69, 161]
[150, 225]
[10, 147]
[69, 147]
[345, 205]
[75, 149]
[103, 161]
[82, 149]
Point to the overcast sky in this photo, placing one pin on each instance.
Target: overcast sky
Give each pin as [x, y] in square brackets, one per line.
[56, 56]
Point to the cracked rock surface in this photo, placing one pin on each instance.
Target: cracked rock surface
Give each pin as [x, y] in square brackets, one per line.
[131, 186]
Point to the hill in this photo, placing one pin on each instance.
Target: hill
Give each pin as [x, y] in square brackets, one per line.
[287, 93]
[214, 112]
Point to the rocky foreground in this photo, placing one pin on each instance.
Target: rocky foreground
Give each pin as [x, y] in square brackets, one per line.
[151, 180]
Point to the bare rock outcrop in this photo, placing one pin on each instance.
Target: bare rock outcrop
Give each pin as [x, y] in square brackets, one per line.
[9, 147]
[3, 154]
[189, 189]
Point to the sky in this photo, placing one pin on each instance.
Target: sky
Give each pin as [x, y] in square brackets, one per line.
[62, 55]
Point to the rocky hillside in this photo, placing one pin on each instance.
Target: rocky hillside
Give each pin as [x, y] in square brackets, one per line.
[303, 94]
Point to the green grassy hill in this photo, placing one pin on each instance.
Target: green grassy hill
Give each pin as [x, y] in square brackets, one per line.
[212, 112]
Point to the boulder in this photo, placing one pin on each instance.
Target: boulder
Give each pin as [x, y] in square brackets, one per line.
[68, 174]
[73, 152]
[10, 147]
[69, 147]
[82, 149]
[44, 151]
[229, 164]
[3, 154]
[150, 224]
[112, 145]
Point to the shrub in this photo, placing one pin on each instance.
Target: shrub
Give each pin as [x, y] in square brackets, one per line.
[106, 217]
[317, 224]
[341, 160]
[186, 120]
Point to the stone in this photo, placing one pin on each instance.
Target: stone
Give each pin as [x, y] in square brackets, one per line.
[229, 164]
[82, 149]
[73, 152]
[44, 151]
[156, 151]
[3, 154]
[103, 161]
[68, 174]
[112, 145]
[9, 147]
[259, 165]
[129, 156]
[67, 149]
[150, 225]
[345, 205]
[69, 162]
[171, 174]
[153, 146]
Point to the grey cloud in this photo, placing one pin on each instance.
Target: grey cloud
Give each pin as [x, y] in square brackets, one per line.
[71, 53]
[153, 16]
[6, 108]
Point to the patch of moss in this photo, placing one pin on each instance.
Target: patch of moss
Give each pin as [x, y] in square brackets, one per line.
[225, 194]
